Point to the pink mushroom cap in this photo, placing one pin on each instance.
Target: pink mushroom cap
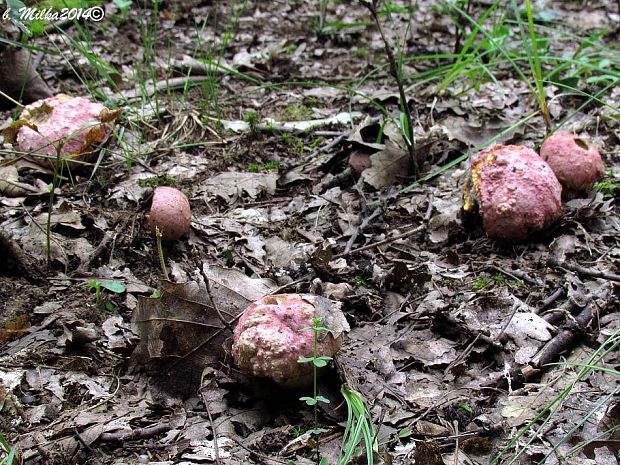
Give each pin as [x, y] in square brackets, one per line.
[575, 161]
[170, 213]
[268, 339]
[75, 124]
[515, 190]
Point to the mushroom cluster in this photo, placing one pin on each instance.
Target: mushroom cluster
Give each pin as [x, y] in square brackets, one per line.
[518, 193]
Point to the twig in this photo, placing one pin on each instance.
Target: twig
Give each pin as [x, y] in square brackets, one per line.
[519, 275]
[377, 212]
[329, 145]
[515, 307]
[174, 83]
[429, 208]
[332, 180]
[549, 300]
[13, 101]
[583, 270]
[81, 440]
[417, 229]
[140, 433]
[563, 340]
[292, 283]
[216, 447]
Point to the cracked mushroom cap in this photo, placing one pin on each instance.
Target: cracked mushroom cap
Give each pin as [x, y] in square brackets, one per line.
[575, 161]
[268, 339]
[170, 213]
[515, 191]
[74, 123]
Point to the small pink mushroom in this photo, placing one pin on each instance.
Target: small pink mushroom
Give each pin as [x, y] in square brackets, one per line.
[515, 191]
[273, 333]
[576, 162]
[170, 213]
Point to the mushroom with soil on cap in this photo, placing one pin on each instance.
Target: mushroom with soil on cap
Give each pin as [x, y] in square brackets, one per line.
[62, 125]
[274, 332]
[514, 191]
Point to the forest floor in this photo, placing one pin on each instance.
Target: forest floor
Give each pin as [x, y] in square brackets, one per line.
[465, 349]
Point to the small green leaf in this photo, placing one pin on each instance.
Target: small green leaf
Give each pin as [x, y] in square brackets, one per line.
[114, 286]
[325, 400]
[317, 431]
[323, 328]
[122, 4]
[320, 362]
[305, 359]
[309, 400]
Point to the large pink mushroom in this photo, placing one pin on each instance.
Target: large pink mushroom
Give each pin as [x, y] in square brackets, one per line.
[515, 191]
[71, 125]
[170, 213]
[576, 162]
[275, 331]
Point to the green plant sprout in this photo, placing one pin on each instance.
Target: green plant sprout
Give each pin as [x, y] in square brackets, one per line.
[123, 5]
[359, 427]
[252, 120]
[7, 453]
[156, 294]
[465, 407]
[99, 286]
[296, 143]
[363, 281]
[254, 167]
[317, 361]
[272, 165]
[228, 257]
[359, 423]
[481, 283]
[159, 180]
[608, 187]
[268, 166]
[296, 113]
